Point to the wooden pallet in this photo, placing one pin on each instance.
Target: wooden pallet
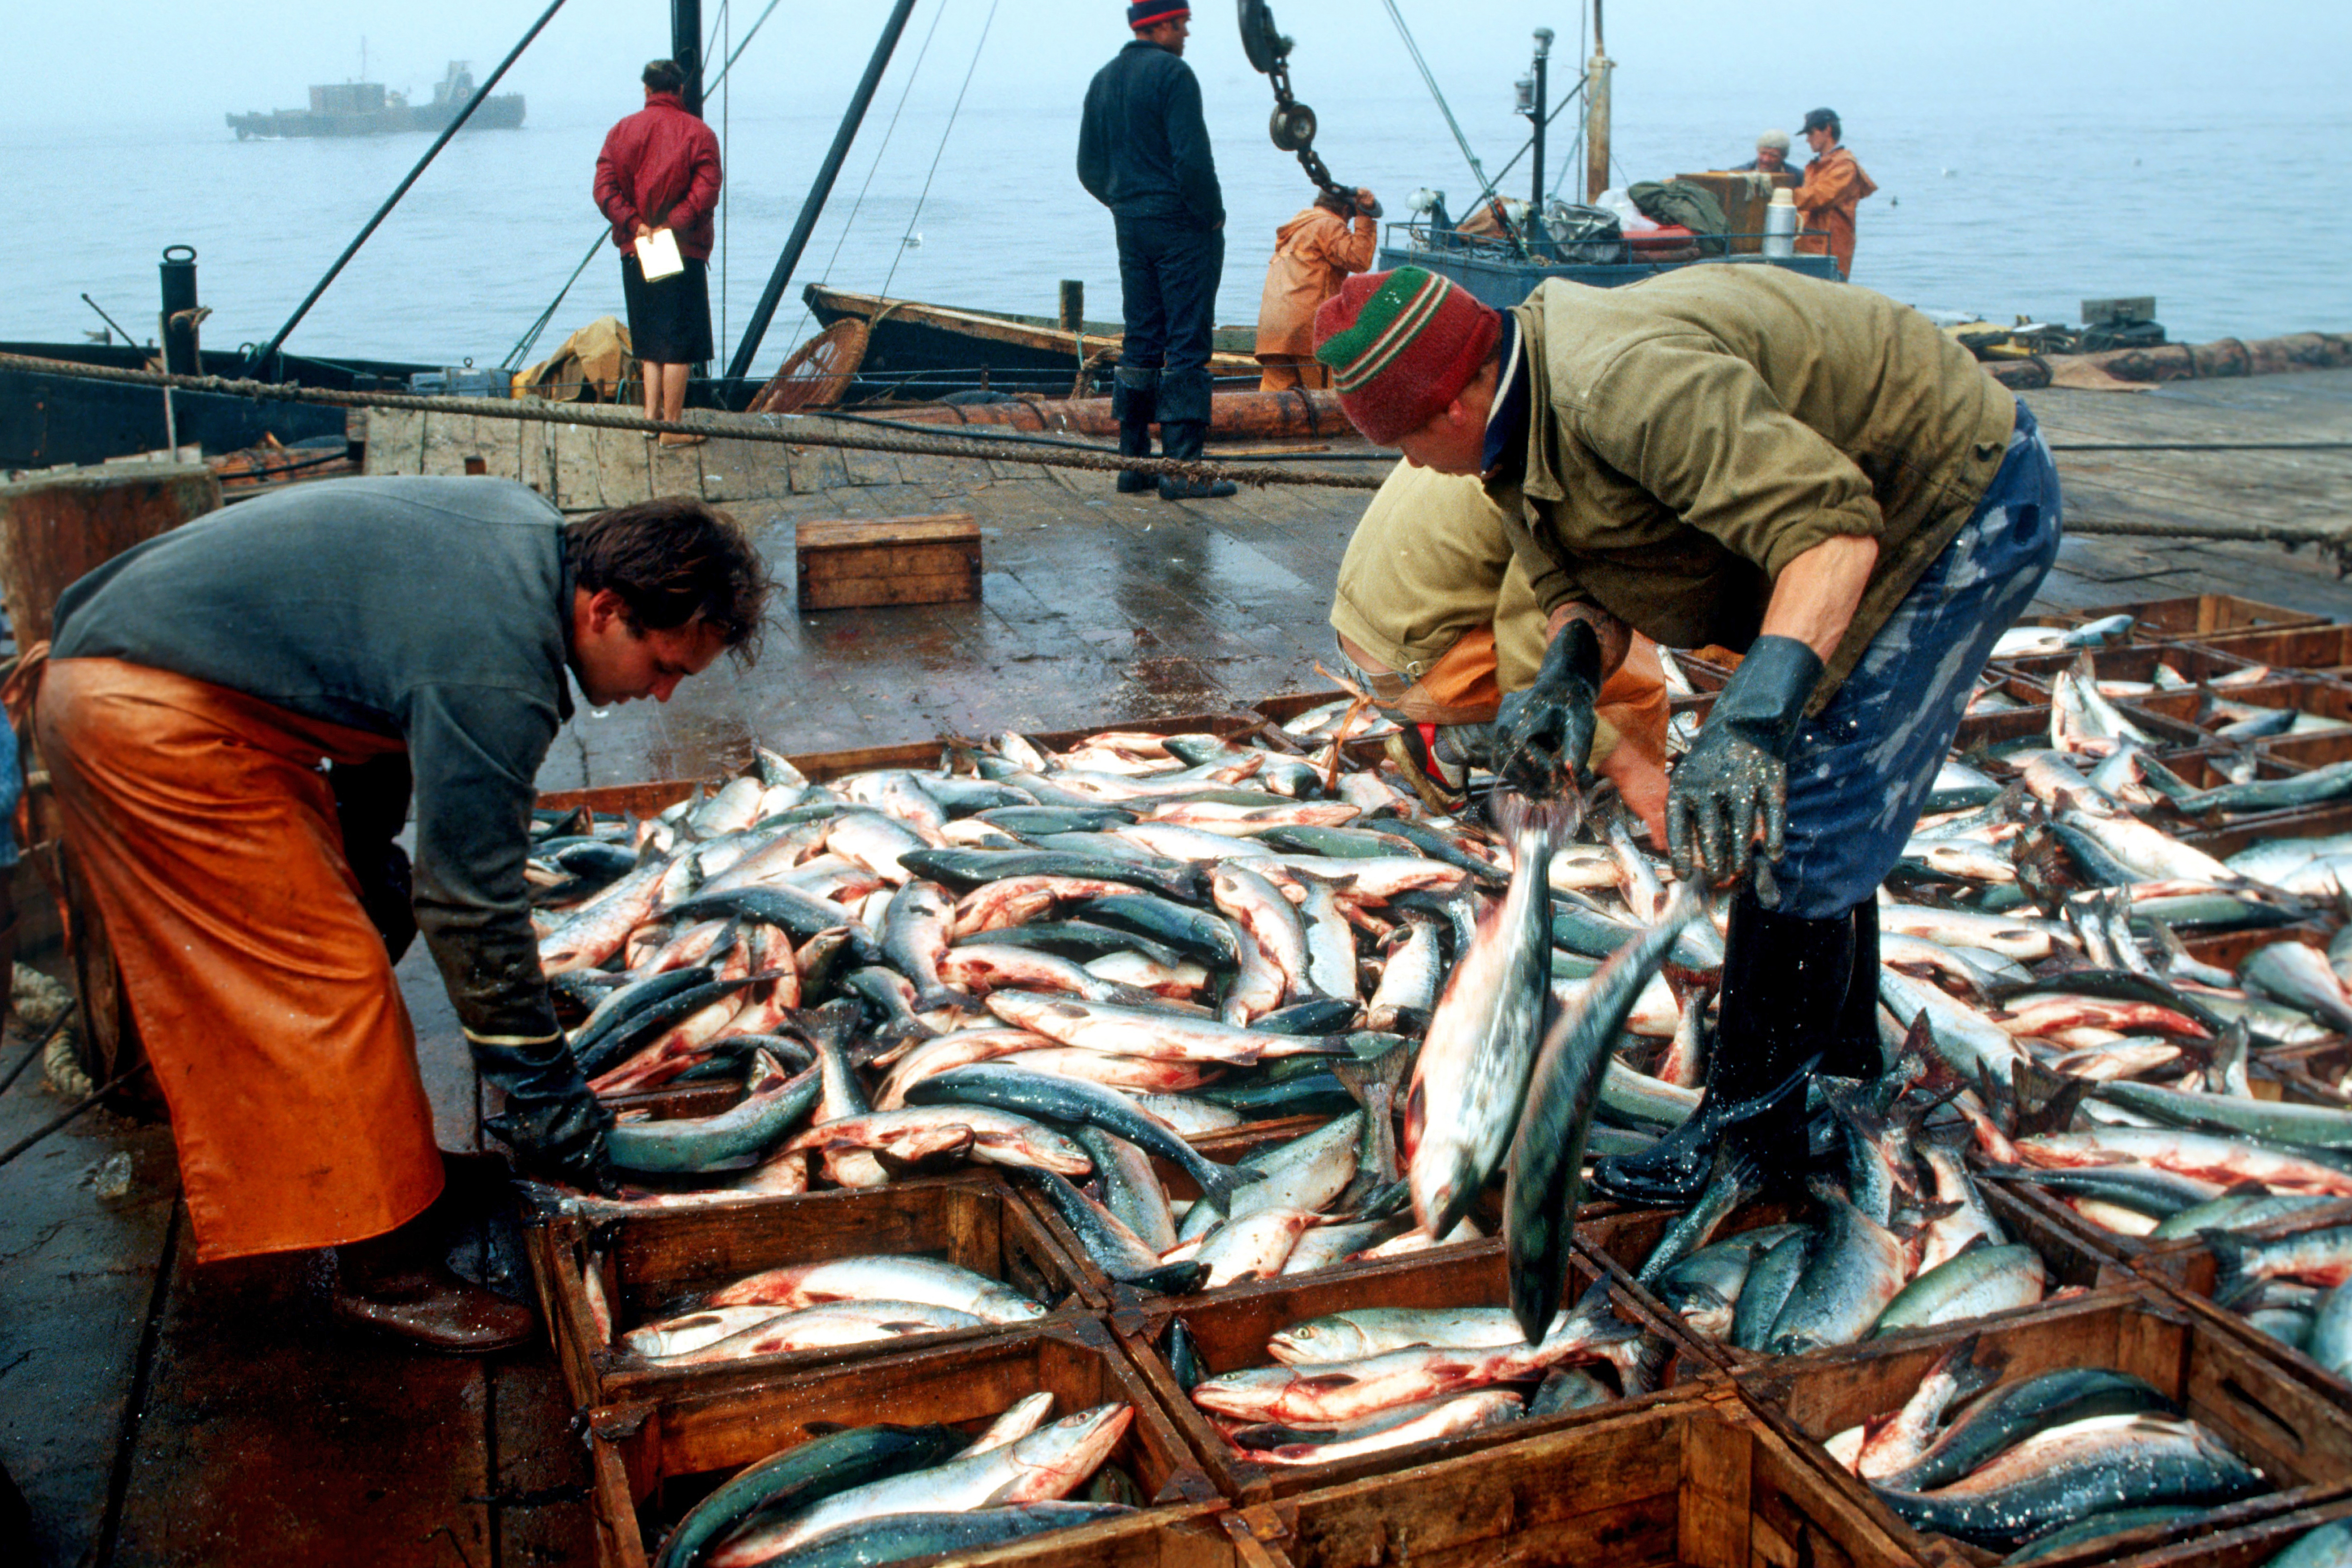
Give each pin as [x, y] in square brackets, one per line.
[656, 1262]
[2294, 1435]
[652, 1457]
[1229, 1332]
[1699, 1482]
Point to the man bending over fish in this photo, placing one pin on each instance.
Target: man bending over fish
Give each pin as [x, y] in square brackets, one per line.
[1808, 473]
[1435, 617]
[232, 715]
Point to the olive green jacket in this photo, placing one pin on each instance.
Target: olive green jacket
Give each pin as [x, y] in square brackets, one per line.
[1691, 435]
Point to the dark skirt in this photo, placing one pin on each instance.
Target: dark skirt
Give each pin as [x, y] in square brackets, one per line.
[669, 322]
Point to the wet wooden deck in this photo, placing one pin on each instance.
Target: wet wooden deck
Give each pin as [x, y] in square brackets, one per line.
[156, 1414]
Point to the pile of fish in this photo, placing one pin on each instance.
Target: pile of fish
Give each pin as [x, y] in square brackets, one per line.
[1905, 1240]
[1372, 1379]
[816, 1306]
[2040, 1464]
[880, 1494]
[994, 962]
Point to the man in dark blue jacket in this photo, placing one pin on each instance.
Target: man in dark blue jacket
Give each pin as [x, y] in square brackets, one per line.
[1143, 151]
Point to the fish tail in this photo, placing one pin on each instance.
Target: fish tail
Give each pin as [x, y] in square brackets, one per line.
[1218, 1183]
[2231, 1279]
[941, 996]
[1556, 816]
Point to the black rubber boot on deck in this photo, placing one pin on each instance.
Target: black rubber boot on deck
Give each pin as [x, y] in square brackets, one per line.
[1184, 431]
[1782, 976]
[1134, 398]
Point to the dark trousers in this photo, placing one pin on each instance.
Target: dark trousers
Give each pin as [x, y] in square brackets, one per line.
[1168, 273]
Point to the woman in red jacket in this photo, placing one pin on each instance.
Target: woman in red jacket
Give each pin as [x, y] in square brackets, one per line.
[659, 169]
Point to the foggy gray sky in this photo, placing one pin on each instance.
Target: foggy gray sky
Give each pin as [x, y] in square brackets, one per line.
[170, 61]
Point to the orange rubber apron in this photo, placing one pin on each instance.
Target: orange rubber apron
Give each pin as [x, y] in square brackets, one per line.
[204, 825]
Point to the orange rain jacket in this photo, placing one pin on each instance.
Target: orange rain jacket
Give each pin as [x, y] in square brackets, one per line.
[1313, 253]
[1834, 186]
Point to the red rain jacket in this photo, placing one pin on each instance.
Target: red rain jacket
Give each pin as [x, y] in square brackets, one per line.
[660, 167]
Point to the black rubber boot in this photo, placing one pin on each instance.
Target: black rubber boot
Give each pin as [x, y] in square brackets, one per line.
[1183, 439]
[1779, 972]
[1134, 396]
[1184, 431]
[1855, 1051]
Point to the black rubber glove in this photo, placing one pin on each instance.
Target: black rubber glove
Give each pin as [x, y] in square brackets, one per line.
[553, 1120]
[1544, 733]
[1737, 778]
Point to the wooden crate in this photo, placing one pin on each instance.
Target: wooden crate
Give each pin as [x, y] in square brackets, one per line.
[848, 563]
[1231, 1331]
[2248, 1546]
[2299, 1438]
[651, 1459]
[2203, 615]
[1691, 1483]
[655, 794]
[2136, 661]
[656, 1262]
[1621, 1243]
[2314, 647]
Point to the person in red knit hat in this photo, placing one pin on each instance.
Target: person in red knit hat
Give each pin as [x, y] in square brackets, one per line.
[1808, 473]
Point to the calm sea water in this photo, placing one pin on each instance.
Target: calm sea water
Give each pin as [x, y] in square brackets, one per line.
[2218, 208]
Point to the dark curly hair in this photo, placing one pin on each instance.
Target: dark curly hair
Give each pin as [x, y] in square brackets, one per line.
[674, 559]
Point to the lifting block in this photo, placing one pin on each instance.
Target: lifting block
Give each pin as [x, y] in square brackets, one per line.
[847, 563]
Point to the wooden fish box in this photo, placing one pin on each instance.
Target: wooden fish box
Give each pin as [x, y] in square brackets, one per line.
[2190, 661]
[651, 1459]
[645, 1264]
[2203, 615]
[1229, 1332]
[2316, 647]
[2248, 1546]
[1698, 1482]
[848, 563]
[651, 796]
[2299, 1439]
[1623, 1243]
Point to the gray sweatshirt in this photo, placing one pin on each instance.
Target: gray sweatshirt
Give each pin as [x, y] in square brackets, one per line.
[436, 610]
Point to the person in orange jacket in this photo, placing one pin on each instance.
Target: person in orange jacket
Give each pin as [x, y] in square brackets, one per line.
[1834, 186]
[1313, 253]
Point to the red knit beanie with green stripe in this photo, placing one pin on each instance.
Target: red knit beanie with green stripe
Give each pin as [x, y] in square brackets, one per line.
[1401, 345]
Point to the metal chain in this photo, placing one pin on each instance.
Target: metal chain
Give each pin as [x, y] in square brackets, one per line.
[1287, 107]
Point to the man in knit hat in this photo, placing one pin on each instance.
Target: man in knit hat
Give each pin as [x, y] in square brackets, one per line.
[1771, 156]
[1143, 151]
[1737, 455]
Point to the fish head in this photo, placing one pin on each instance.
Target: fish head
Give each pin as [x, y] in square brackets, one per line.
[1057, 1457]
[1324, 1339]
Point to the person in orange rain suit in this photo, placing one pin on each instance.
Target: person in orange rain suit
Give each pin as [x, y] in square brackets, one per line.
[1312, 253]
[1439, 620]
[1834, 186]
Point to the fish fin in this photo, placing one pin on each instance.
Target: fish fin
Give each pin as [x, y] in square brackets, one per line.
[1219, 1182]
[1330, 1380]
[1172, 1280]
[946, 996]
[2045, 1101]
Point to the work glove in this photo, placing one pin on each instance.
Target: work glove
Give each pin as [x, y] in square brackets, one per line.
[552, 1121]
[1544, 733]
[1735, 779]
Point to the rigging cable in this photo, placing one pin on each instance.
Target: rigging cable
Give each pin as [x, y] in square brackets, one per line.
[850, 222]
[915, 216]
[1485, 185]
